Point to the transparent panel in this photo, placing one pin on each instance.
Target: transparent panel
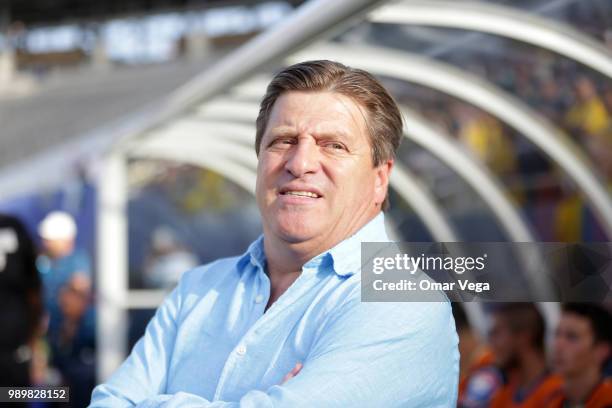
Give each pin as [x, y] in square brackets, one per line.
[181, 216]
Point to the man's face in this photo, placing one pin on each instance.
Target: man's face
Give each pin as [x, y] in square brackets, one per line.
[58, 248]
[503, 343]
[315, 179]
[575, 350]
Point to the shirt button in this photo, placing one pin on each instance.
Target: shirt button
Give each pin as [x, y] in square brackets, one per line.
[241, 350]
[259, 299]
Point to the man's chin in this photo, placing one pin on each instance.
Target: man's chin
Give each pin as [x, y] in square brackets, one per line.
[296, 237]
[560, 368]
[293, 234]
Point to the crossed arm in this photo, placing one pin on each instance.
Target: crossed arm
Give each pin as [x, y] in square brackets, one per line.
[369, 354]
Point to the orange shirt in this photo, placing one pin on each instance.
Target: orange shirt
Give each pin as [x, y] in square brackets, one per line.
[483, 359]
[601, 397]
[539, 397]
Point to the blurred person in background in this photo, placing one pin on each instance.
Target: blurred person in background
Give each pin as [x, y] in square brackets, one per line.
[607, 96]
[479, 378]
[583, 342]
[551, 102]
[517, 341]
[484, 135]
[588, 117]
[600, 150]
[168, 259]
[20, 304]
[574, 221]
[66, 274]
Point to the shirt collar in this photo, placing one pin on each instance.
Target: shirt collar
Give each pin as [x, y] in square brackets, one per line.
[255, 253]
[345, 256]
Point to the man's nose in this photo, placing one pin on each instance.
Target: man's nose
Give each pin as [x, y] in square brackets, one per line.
[303, 158]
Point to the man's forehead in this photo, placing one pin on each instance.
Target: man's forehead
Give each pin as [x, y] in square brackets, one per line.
[323, 110]
[576, 320]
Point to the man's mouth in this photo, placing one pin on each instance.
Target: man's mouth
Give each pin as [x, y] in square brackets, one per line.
[301, 194]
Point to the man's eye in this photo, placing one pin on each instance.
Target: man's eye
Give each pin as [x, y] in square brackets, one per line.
[283, 141]
[336, 146]
[573, 337]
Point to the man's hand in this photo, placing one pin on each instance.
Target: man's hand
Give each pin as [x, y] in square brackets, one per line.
[292, 373]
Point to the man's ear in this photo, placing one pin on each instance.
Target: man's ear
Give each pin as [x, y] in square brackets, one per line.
[381, 182]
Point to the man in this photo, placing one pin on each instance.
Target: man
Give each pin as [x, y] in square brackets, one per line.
[20, 303]
[67, 278]
[283, 325]
[479, 377]
[517, 341]
[583, 342]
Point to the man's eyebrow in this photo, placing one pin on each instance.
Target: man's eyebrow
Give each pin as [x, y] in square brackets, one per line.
[333, 134]
[282, 131]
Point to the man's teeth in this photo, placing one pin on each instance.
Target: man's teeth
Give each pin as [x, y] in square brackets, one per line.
[302, 194]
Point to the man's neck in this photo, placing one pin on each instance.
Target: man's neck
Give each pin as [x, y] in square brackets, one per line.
[285, 259]
[284, 265]
[578, 387]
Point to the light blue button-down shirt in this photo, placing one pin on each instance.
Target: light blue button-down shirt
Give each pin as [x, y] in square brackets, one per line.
[210, 344]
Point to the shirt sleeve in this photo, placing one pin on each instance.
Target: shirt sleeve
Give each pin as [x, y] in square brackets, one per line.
[367, 354]
[143, 373]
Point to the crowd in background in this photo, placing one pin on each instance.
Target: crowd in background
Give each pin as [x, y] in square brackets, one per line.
[572, 98]
[46, 308]
[513, 367]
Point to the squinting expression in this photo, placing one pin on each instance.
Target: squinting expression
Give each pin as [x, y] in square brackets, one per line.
[315, 179]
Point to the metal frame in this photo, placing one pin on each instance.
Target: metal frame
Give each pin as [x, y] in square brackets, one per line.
[112, 268]
[503, 21]
[113, 298]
